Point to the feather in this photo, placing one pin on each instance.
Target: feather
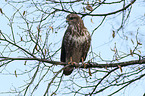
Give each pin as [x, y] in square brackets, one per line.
[76, 42]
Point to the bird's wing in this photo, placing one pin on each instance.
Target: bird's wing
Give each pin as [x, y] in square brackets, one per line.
[63, 54]
[85, 48]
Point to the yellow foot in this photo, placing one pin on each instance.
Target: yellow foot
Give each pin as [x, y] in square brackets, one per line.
[73, 63]
[83, 64]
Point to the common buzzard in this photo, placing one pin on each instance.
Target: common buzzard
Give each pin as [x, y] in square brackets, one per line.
[76, 42]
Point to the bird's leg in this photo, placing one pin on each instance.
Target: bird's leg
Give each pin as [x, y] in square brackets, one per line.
[71, 62]
[83, 62]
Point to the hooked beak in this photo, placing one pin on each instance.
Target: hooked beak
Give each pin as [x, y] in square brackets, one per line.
[67, 20]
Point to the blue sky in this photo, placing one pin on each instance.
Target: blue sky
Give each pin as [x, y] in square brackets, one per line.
[102, 42]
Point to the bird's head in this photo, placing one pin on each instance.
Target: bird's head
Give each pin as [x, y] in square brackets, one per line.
[73, 19]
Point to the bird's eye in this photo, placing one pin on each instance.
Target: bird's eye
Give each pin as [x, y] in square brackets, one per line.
[71, 18]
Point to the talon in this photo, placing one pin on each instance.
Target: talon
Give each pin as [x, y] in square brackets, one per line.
[83, 63]
[70, 61]
[74, 63]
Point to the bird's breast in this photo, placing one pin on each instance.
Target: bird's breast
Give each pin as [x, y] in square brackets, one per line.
[79, 39]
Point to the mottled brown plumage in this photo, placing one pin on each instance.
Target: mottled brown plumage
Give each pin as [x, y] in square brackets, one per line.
[76, 42]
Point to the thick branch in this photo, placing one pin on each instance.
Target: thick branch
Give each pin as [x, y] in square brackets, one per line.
[80, 65]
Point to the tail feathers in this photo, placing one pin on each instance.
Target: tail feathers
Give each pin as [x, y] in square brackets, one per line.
[68, 70]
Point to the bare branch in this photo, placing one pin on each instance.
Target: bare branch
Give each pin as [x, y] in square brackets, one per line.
[89, 64]
[105, 14]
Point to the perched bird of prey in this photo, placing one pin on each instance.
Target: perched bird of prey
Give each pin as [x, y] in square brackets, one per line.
[76, 42]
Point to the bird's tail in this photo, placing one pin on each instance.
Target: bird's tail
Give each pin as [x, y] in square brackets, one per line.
[68, 70]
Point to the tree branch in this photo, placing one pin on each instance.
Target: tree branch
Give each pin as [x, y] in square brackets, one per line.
[105, 14]
[80, 65]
